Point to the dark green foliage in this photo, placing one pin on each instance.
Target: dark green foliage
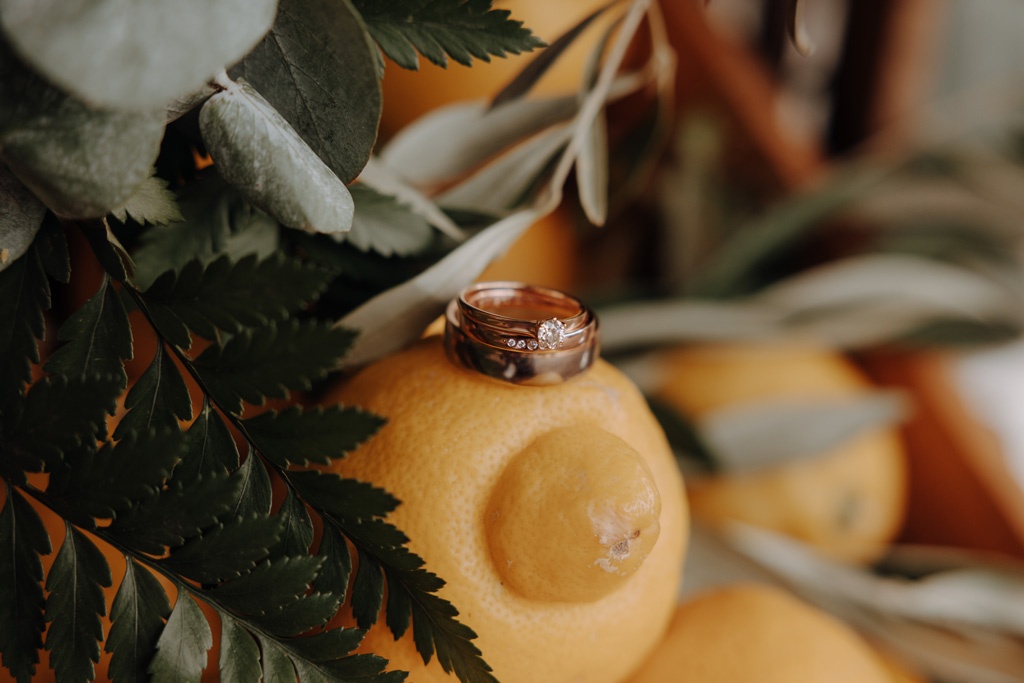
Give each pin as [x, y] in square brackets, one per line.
[299, 437]
[209, 448]
[183, 644]
[158, 400]
[23, 539]
[225, 550]
[137, 618]
[459, 29]
[297, 536]
[254, 493]
[239, 656]
[98, 338]
[259, 364]
[268, 585]
[74, 607]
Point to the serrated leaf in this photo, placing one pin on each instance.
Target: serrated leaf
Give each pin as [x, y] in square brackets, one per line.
[157, 400]
[337, 563]
[266, 363]
[24, 296]
[298, 616]
[183, 644]
[23, 538]
[317, 67]
[74, 606]
[297, 536]
[239, 656]
[209, 448]
[103, 483]
[21, 215]
[217, 221]
[268, 585]
[180, 512]
[152, 202]
[108, 250]
[345, 499]
[98, 338]
[230, 296]
[159, 52]
[255, 495]
[327, 645]
[137, 618]
[367, 591]
[277, 666]
[353, 668]
[386, 226]
[225, 550]
[300, 436]
[459, 29]
[257, 151]
[58, 414]
[80, 162]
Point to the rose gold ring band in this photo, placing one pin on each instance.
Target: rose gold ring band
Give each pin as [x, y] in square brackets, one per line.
[520, 333]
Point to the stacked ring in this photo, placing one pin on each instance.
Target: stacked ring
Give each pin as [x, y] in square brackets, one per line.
[520, 333]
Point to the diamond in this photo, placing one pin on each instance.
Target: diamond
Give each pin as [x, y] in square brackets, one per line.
[550, 333]
[532, 345]
[511, 343]
[521, 344]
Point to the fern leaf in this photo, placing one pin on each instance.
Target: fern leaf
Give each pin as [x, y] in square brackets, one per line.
[74, 607]
[255, 494]
[137, 618]
[209, 448]
[267, 363]
[225, 550]
[157, 400]
[183, 644]
[98, 338]
[228, 296]
[239, 656]
[459, 29]
[23, 539]
[297, 436]
[297, 535]
[268, 585]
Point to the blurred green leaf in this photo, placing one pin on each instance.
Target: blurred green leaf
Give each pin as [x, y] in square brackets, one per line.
[385, 225]
[317, 68]
[132, 53]
[257, 151]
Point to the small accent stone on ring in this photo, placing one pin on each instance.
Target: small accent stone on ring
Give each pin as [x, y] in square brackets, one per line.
[550, 333]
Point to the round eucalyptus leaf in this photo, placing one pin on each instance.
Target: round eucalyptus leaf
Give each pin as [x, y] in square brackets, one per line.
[256, 150]
[135, 54]
[81, 162]
[21, 214]
[317, 66]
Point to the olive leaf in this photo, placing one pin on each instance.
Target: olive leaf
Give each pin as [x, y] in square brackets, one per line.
[257, 151]
[317, 68]
[132, 53]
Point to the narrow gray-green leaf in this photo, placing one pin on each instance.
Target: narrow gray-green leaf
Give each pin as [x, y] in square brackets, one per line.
[317, 67]
[239, 656]
[183, 644]
[133, 53]
[152, 202]
[257, 151]
[796, 26]
[137, 617]
[21, 215]
[750, 437]
[592, 172]
[74, 607]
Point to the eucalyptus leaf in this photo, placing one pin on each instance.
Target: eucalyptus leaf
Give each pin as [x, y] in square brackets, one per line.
[592, 172]
[751, 437]
[21, 216]
[317, 67]
[387, 181]
[133, 53]
[81, 162]
[257, 151]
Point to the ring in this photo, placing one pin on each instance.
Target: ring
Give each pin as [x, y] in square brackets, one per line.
[520, 333]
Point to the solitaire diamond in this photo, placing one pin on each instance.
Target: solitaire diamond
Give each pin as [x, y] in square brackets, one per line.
[550, 333]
